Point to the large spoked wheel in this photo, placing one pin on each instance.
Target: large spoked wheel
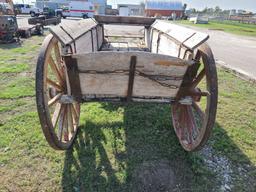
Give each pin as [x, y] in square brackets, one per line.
[59, 120]
[194, 119]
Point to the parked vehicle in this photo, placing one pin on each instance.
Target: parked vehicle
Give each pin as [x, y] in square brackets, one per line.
[28, 9]
[47, 18]
[8, 28]
[5, 9]
[77, 9]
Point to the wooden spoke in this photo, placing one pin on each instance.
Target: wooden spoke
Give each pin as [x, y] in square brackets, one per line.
[59, 60]
[74, 112]
[199, 110]
[193, 122]
[61, 123]
[54, 99]
[55, 70]
[55, 85]
[70, 119]
[67, 82]
[199, 78]
[57, 54]
[189, 125]
[56, 114]
[205, 93]
[181, 122]
[65, 126]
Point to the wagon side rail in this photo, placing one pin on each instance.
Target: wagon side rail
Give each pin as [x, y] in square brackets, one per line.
[122, 20]
[79, 37]
[166, 38]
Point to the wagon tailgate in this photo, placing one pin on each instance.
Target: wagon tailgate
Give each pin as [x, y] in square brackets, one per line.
[106, 74]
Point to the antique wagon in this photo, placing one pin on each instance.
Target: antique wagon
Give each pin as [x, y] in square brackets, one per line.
[163, 63]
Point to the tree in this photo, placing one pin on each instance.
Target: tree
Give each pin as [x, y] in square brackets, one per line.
[205, 10]
[193, 10]
[185, 6]
[217, 9]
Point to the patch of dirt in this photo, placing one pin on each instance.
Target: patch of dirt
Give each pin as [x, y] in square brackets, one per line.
[245, 30]
[161, 176]
[231, 177]
[219, 165]
[216, 29]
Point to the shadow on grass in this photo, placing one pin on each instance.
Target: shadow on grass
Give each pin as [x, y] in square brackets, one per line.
[142, 154]
[11, 45]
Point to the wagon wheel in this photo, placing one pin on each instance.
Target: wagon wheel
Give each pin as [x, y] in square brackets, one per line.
[59, 120]
[193, 122]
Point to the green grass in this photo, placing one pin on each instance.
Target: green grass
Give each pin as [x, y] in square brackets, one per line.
[118, 143]
[227, 26]
[12, 68]
[17, 87]
[11, 105]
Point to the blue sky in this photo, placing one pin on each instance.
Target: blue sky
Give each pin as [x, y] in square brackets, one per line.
[249, 5]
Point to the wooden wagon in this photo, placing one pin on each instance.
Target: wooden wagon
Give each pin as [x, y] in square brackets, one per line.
[163, 63]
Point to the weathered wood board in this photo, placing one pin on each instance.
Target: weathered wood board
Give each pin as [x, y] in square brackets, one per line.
[188, 37]
[67, 33]
[83, 36]
[109, 19]
[107, 73]
[124, 44]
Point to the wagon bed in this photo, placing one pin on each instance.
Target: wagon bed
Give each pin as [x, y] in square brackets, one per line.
[161, 63]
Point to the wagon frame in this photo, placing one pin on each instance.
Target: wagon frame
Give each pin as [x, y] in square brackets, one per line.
[79, 64]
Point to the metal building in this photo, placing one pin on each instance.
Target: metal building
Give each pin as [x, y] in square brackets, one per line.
[100, 5]
[130, 10]
[163, 8]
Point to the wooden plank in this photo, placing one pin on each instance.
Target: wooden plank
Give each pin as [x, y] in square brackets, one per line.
[167, 47]
[154, 42]
[196, 40]
[106, 73]
[147, 63]
[109, 19]
[188, 37]
[117, 85]
[66, 33]
[100, 35]
[84, 44]
[147, 37]
[115, 46]
[72, 72]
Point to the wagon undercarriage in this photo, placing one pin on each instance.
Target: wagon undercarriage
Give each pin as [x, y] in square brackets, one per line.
[162, 63]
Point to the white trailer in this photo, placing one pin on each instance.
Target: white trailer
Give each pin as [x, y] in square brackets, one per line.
[124, 11]
[79, 9]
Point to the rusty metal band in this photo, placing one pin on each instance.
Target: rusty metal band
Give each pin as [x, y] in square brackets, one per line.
[131, 77]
